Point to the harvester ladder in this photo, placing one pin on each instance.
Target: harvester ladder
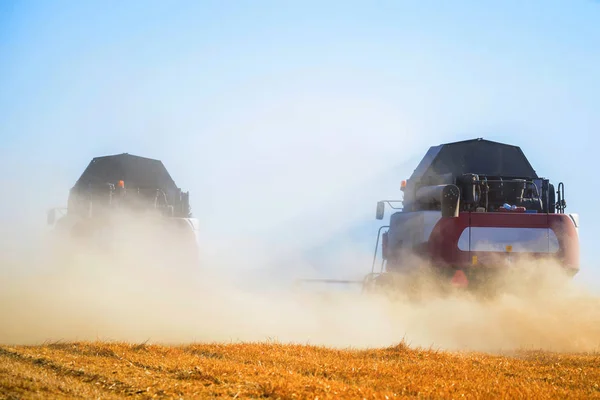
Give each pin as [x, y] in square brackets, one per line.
[367, 281]
[376, 248]
[375, 251]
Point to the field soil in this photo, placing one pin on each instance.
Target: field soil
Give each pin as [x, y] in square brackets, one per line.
[95, 370]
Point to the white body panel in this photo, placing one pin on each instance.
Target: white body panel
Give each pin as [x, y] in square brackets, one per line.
[536, 240]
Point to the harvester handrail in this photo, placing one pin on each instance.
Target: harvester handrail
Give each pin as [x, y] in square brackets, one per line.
[561, 204]
[389, 203]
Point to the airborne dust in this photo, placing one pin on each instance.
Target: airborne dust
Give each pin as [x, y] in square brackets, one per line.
[132, 290]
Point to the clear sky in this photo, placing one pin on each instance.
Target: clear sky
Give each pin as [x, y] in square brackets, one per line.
[288, 120]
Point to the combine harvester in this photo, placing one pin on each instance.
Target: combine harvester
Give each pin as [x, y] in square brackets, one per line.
[127, 202]
[470, 210]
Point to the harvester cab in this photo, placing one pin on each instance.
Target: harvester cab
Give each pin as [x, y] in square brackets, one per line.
[119, 191]
[471, 208]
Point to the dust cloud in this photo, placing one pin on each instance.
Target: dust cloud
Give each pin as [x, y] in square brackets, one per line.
[131, 288]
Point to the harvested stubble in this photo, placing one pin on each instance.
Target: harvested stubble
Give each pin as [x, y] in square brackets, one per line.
[272, 370]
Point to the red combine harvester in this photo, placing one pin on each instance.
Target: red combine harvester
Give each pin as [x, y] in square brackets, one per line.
[470, 209]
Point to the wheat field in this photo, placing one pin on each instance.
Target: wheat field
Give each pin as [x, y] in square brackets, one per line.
[106, 370]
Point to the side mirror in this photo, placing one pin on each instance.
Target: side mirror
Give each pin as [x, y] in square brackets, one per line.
[51, 217]
[380, 210]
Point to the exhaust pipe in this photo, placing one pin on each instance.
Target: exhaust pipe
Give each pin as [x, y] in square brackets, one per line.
[447, 196]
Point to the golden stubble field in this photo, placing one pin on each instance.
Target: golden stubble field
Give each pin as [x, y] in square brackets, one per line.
[106, 370]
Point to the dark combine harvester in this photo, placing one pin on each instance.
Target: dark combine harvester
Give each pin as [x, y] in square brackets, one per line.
[125, 183]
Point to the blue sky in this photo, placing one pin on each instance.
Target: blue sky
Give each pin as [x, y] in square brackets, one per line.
[288, 120]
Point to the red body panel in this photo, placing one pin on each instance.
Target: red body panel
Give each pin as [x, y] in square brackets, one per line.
[568, 240]
[443, 250]
[443, 242]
